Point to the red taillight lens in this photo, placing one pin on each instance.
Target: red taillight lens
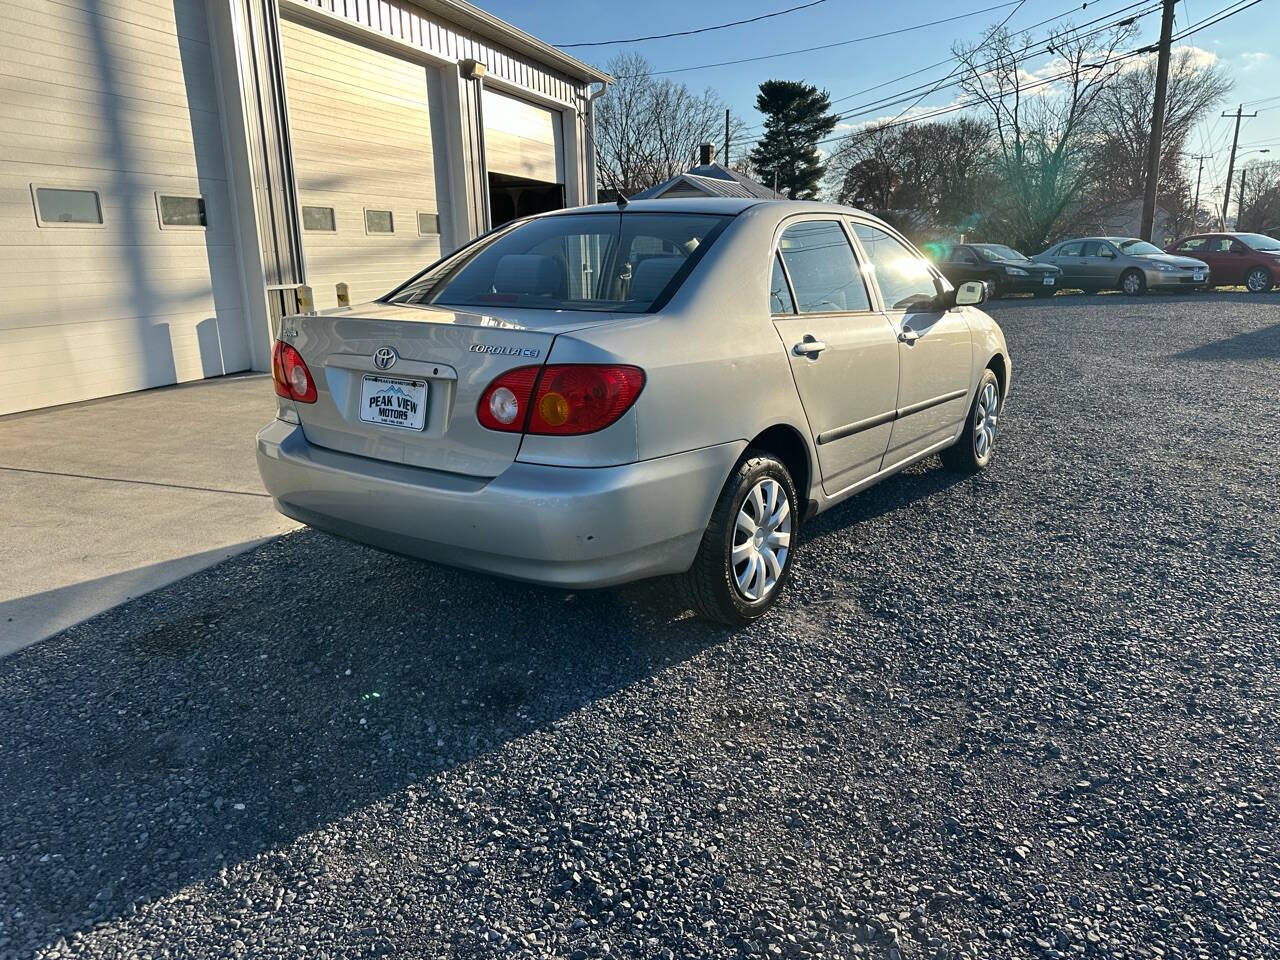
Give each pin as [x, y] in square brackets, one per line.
[504, 405]
[577, 398]
[560, 399]
[292, 379]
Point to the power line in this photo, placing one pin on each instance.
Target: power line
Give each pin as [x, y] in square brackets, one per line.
[828, 46]
[1215, 18]
[686, 33]
[982, 43]
[902, 96]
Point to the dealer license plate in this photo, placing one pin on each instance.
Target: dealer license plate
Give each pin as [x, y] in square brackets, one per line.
[392, 402]
[1048, 281]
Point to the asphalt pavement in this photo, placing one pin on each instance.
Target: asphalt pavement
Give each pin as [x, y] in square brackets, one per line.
[1028, 714]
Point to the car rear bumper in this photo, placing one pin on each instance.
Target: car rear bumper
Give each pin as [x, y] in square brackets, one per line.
[562, 526]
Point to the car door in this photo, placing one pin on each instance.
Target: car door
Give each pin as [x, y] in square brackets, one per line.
[1068, 259]
[1199, 249]
[1100, 263]
[935, 349]
[843, 352]
[968, 266]
[1235, 259]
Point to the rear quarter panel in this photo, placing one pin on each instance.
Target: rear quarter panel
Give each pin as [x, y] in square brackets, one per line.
[716, 371]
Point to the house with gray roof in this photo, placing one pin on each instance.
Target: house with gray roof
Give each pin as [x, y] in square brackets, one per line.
[709, 179]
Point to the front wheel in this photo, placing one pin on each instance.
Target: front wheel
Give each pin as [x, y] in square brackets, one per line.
[1133, 283]
[973, 451]
[1258, 280]
[744, 559]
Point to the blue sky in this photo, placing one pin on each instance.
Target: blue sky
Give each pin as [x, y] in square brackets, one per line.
[1247, 45]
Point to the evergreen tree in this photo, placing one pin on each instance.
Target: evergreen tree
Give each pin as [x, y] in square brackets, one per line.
[797, 115]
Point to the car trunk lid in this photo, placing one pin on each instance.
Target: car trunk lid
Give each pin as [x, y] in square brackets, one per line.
[401, 383]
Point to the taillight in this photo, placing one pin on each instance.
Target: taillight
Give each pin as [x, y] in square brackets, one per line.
[504, 405]
[290, 374]
[559, 399]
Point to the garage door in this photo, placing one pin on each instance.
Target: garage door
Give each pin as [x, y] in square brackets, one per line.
[118, 268]
[524, 155]
[360, 124]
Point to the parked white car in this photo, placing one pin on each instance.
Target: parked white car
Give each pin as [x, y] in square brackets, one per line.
[600, 395]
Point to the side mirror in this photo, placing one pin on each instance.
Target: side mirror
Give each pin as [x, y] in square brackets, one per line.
[972, 293]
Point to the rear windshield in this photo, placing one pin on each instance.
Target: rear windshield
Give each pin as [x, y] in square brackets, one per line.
[609, 262]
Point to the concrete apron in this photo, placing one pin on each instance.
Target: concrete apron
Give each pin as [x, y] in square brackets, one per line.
[104, 501]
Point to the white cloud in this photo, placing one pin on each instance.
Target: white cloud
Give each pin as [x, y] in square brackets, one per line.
[1255, 59]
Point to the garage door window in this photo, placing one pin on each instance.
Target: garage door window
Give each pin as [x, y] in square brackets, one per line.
[63, 207]
[180, 211]
[379, 221]
[319, 218]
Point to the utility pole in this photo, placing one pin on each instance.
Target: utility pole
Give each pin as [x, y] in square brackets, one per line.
[726, 137]
[1157, 121]
[1231, 164]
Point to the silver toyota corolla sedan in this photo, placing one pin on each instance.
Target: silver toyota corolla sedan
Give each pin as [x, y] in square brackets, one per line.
[600, 395]
[1125, 263]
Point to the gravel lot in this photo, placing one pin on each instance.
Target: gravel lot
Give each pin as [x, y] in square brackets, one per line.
[1032, 714]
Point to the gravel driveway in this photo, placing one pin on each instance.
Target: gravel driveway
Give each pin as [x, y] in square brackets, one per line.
[1032, 714]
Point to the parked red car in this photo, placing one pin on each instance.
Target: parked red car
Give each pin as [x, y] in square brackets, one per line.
[1252, 259]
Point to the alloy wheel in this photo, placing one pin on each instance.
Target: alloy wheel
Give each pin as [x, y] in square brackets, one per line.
[1256, 281]
[985, 414]
[1132, 284]
[761, 539]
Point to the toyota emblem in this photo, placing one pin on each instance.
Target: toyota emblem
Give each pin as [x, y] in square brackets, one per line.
[384, 358]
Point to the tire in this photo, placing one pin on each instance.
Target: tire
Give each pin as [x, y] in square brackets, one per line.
[997, 288]
[1044, 294]
[1258, 280]
[711, 586]
[964, 456]
[1133, 283]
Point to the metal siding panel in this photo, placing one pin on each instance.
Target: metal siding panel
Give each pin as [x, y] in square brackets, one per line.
[116, 96]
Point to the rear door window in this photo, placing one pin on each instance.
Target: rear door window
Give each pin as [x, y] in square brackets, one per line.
[1070, 250]
[779, 293]
[822, 267]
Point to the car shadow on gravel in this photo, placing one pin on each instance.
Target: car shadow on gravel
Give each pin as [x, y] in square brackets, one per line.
[1252, 345]
[276, 693]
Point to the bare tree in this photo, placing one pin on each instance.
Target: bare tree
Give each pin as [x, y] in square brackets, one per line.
[1044, 127]
[1124, 110]
[648, 129]
[929, 179]
[1260, 211]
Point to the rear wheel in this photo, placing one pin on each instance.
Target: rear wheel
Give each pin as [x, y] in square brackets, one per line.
[744, 559]
[973, 451]
[1258, 280]
[1133, 283]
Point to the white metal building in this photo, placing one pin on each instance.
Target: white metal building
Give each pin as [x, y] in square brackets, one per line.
[172, 170]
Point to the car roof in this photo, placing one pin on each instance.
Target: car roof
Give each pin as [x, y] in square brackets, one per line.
[714, 205]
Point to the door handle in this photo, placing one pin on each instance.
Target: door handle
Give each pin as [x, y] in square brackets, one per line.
[907, 335]
[810, 346]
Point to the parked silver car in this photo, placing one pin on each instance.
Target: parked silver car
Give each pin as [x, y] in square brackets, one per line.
[1124, 263]
[599, 395]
